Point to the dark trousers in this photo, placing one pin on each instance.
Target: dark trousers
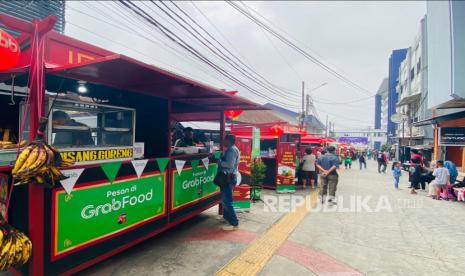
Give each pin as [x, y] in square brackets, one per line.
[227, 199]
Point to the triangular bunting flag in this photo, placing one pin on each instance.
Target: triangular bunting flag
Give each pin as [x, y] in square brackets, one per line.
[206, 162]
[68, 183]
[194, 164]
[179, 165]
[217, 154]
[111, 169]
[162, 163]
[139, 166]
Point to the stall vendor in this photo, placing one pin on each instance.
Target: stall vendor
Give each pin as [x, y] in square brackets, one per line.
[70, 138]
[188, 139]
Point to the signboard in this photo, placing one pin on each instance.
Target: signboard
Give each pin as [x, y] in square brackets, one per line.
[452, 136]
[255, 142]
[286, 167]
[245, 147]
[355, 141]
[193, 184]
[92, 213]
[96, 155]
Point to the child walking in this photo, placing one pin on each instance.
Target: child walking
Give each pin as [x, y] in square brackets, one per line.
[396, 173]
[442, 179]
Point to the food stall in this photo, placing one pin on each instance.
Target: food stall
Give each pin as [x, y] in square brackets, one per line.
[313, 142]
[278, 150]
[111, 115]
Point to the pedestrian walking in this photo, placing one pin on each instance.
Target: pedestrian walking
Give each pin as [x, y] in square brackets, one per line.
[442, 179]
[308, 168]
[327, 165]
[362, 160]
[382, 163]
[228, 165]
[396, 173]
[348, 161]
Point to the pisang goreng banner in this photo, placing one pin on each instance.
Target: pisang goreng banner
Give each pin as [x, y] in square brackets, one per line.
[355, 141]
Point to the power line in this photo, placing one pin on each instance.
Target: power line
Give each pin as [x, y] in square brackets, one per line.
[172, 36]
[246, 72]
[126, 28]
[298, 49]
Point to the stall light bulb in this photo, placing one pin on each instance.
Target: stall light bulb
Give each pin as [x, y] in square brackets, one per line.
[82, 87]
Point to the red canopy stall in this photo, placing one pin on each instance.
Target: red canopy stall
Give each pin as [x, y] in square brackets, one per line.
[278, 150]
[127, 183]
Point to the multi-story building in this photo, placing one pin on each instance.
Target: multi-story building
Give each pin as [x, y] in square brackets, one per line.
[446, 82]
[397, 56]
[28, 10]
[412, 90]
[381, 113]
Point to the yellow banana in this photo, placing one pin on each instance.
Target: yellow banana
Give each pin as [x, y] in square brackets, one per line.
[21, 158]
[41, 159]
[30, 159]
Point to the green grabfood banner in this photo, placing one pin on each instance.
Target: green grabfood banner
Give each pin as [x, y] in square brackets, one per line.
[255, 143]
[192, 185]
[94, 212]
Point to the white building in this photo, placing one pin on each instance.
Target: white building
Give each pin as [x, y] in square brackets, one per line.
[412, 90]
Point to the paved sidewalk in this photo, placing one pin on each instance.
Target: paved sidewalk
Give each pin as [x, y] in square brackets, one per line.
[419, 236]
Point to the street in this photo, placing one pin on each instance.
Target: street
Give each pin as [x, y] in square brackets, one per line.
[394, 233]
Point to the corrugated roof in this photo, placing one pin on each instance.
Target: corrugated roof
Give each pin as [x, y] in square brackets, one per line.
[258, 116]
[310, 119]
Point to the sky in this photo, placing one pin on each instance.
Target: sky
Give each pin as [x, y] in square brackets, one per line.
[353, 38]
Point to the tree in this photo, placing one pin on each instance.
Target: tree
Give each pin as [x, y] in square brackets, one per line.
[257, 175]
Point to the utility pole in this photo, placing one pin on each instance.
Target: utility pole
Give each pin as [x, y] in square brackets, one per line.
[326, 134]
[302, 118]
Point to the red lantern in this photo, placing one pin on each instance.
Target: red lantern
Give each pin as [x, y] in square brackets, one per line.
[9, 51]
[277, 130]
[232, 114]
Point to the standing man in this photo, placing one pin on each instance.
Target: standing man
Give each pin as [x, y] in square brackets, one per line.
[228, 165]
[328, 165]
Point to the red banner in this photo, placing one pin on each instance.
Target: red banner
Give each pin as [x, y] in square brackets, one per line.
[286, 163]
[245, 147]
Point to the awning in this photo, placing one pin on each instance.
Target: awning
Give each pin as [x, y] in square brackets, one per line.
[311, 139]
[422, 147]
[409, 99]
[439, 119]
[125, 73]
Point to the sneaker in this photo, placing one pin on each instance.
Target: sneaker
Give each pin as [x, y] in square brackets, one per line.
[220, 218]
[230, 228]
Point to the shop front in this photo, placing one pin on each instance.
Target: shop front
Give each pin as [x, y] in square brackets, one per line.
[111, 116]
[449, 137]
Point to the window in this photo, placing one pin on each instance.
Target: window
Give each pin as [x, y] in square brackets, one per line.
[412, 73]
[418, 66]
[87, 125]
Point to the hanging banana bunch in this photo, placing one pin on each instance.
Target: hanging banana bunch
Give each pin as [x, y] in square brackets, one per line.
[39, 162]
[15, 246]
